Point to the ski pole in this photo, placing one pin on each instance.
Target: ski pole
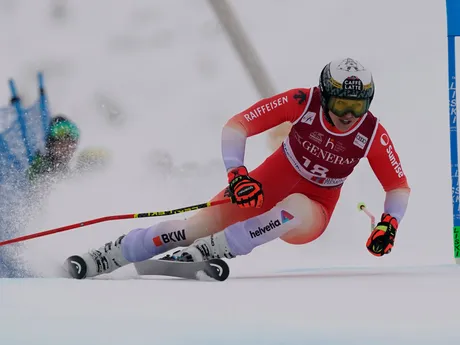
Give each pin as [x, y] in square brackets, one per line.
[116, 217]
[362, 207]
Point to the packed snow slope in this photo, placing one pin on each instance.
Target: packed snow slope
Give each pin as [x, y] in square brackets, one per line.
[153, 83]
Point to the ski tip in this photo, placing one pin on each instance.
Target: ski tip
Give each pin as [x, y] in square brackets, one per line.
[216, 269]
[75, 267]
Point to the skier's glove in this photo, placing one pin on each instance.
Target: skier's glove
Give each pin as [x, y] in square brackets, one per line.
[244, 190]
[382, 238]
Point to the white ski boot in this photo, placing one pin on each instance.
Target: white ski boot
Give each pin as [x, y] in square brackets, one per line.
[104, 260]
[210, 247]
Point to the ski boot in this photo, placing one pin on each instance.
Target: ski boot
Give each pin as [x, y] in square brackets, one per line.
[104, 260]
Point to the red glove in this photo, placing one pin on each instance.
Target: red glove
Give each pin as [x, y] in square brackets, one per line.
[244, 190]
[382, 238]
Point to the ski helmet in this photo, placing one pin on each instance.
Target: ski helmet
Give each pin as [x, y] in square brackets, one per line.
[62, 128]
[345, 78]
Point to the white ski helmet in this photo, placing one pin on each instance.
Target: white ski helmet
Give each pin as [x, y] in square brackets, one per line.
[345, 78]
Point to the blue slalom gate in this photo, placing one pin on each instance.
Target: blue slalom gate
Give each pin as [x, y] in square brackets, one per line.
[22, 135]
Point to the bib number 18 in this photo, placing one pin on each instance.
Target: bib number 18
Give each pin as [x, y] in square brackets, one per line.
[316, 170]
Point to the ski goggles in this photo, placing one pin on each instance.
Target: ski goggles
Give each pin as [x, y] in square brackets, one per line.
[342, 106]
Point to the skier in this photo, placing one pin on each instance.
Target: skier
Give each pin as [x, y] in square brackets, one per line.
[293, 193]
[60, 146]
[60, 150]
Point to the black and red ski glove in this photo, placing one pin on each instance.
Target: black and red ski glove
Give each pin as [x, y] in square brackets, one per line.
[382, 238]
[244, 190]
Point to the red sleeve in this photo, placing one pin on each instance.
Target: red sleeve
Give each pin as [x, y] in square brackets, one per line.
[385, 161]
[273, 111]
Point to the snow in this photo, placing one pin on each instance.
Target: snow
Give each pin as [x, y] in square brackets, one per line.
[337, 306]
[154, 82]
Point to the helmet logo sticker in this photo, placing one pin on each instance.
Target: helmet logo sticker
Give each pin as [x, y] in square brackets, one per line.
[353, 83]
[350, 64]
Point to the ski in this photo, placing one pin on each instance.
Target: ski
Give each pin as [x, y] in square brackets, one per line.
[212, 270]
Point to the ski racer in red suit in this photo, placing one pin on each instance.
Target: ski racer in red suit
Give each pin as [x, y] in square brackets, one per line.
[293, 193]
